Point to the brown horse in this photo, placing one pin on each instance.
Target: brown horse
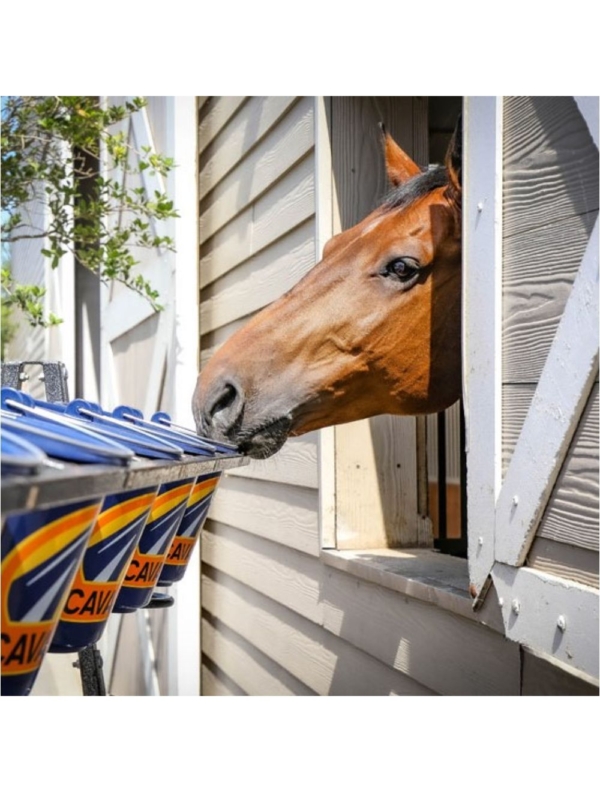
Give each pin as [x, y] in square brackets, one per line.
[373, 328]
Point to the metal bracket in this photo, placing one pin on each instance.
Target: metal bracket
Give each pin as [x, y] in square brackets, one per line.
[90, 664]
[54, 376]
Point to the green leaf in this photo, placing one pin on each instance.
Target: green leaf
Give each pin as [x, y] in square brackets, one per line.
[49, 145]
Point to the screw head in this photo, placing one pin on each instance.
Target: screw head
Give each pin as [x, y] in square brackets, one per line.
[516, 607]
[515, 500]
[561, 623]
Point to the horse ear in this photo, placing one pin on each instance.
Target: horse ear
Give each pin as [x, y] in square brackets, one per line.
[398, 164]
[454, 159]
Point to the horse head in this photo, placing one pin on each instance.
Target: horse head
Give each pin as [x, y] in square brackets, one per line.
[373, 328]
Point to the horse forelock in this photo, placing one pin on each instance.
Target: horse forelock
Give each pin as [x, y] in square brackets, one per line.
[418, 187]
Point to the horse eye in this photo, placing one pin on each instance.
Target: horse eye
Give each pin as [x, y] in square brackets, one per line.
[406, 270]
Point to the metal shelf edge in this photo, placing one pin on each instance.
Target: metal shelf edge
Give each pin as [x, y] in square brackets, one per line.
[77, 481]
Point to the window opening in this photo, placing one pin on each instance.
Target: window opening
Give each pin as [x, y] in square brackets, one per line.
[446, 467]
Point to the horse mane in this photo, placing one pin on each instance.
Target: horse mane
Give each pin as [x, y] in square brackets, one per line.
[416, 188]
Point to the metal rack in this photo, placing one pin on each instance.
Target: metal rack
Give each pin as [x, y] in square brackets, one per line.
[69, 481]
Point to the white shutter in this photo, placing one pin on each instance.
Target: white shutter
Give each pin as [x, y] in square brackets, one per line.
[555, 616]
[134, 338]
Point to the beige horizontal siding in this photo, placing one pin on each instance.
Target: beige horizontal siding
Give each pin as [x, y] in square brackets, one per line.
[550, 163]
[289, 203]
[296, 464]
[216, 112]
[572, 563]
[287, 514]
[316, 658]
[400, 633]
[571, 516]
[211, 342]
[215, 683]
[289, 142]
[252, 121]
[550, 205]
[540, 266]
[572, 511]
[259, 280]
[257, 239]
[252, 672]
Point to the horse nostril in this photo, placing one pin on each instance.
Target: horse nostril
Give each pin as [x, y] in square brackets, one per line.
[224, 400]
[225, 407]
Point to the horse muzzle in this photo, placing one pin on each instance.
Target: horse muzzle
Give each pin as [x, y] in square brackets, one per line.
[222, 412]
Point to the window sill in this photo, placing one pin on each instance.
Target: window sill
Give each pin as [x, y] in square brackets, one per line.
[426, 575]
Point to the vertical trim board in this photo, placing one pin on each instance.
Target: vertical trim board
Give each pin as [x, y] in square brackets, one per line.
[324, 210]
[482, 316]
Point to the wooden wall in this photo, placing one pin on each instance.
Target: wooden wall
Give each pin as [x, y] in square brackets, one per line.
[276, 619]
[550, 206]
[257, 238]
[388, 512]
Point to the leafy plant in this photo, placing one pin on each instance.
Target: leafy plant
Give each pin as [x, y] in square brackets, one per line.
[29, 298]
[52, 147]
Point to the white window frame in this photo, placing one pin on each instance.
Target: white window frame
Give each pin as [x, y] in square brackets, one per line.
[417, 572]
